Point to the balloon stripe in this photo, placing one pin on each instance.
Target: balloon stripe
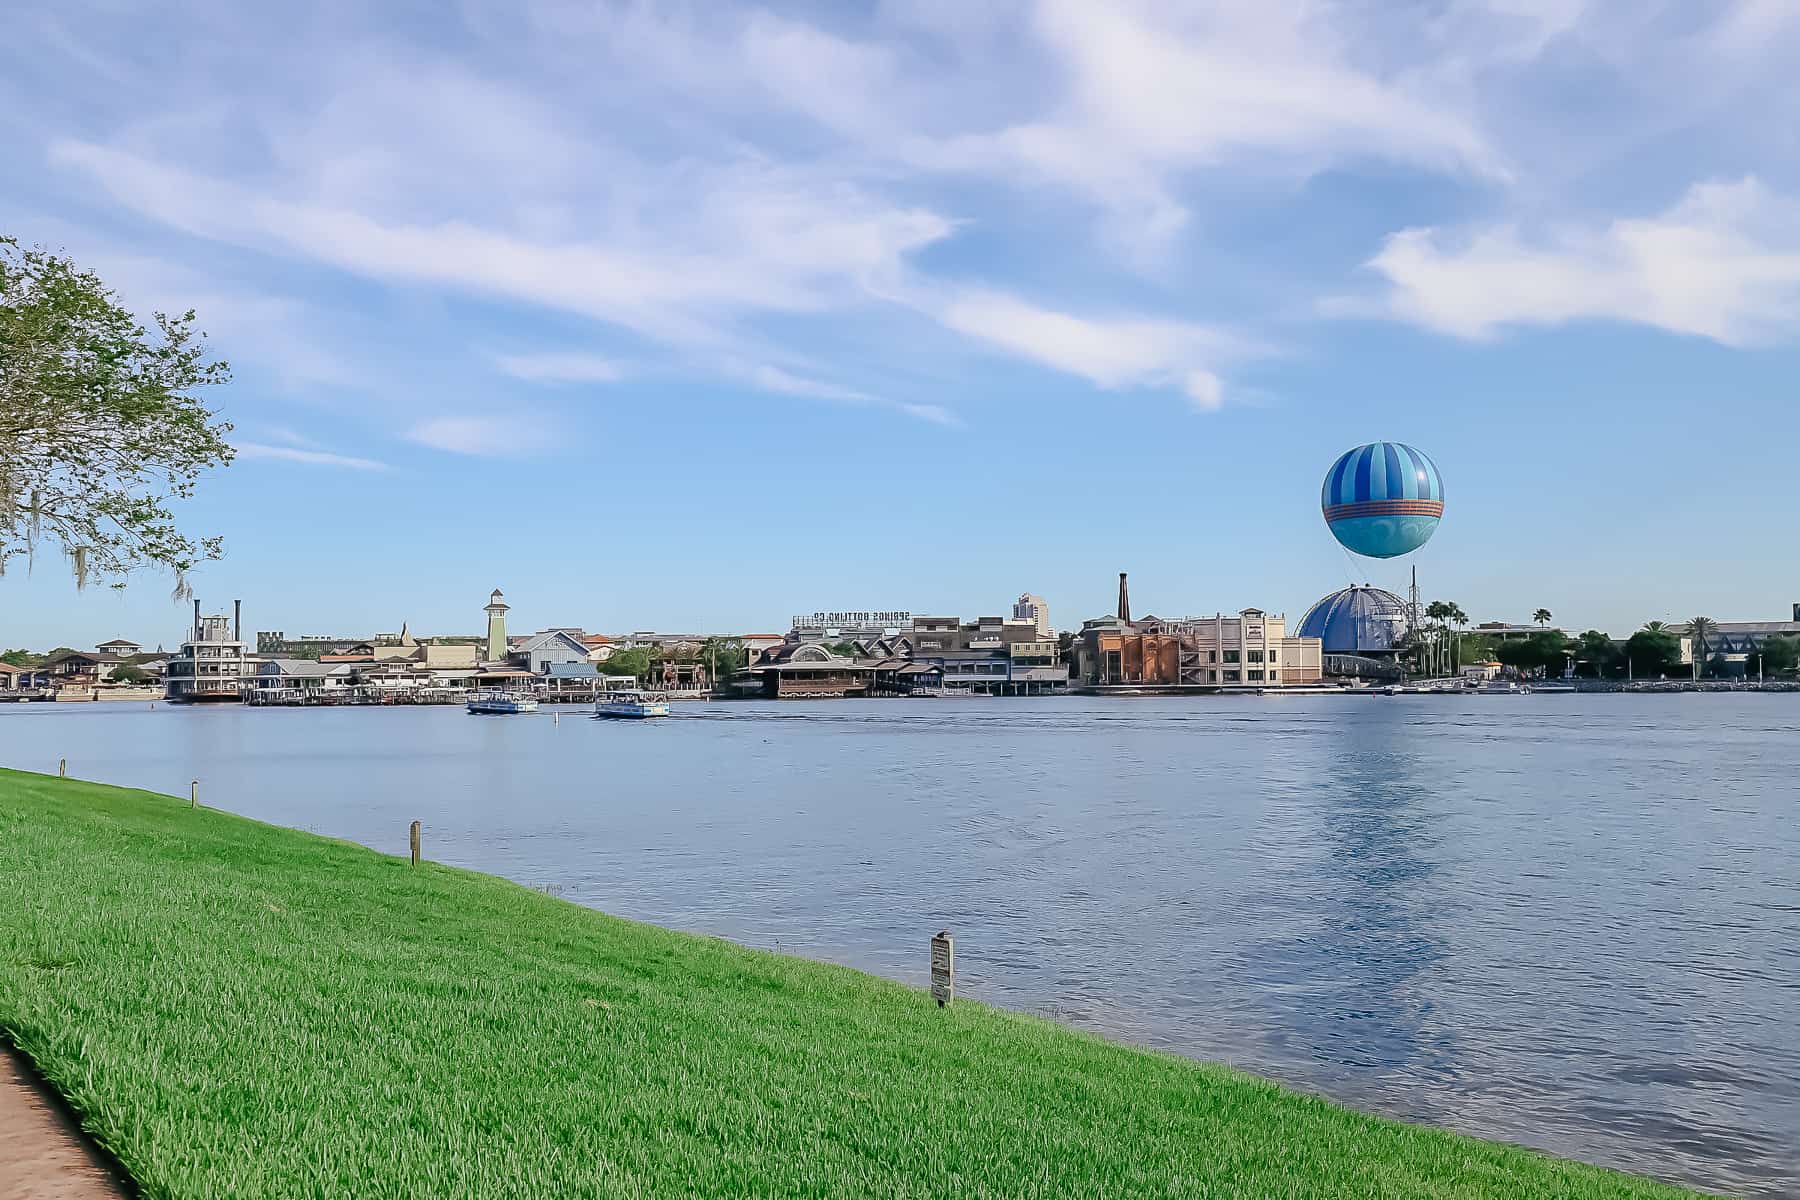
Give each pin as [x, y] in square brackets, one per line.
[1334, 482]
[1393, 483]
[1420, 474]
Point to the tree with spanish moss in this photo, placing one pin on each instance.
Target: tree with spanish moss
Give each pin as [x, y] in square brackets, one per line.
[101, 427]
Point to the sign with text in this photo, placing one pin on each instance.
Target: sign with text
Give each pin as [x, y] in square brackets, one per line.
[835, 620]
[943, 968]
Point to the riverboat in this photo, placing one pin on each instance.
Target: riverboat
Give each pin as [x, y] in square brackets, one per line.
[632, 705]
[503, 703]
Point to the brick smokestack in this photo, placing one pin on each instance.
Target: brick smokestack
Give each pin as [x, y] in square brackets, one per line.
[1124, 600]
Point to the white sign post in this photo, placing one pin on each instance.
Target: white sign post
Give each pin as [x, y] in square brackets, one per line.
[943, 968]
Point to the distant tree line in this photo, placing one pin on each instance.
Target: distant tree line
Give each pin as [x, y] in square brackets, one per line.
[1653, 652]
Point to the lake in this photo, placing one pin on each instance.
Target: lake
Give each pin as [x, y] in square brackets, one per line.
[1571, 922]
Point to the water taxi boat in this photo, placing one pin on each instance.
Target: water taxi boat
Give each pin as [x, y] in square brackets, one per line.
[632, 704]
[503, 703]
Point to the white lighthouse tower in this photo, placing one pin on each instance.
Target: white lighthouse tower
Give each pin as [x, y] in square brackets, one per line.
[496, 634]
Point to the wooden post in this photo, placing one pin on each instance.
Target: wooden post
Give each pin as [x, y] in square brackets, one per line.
[193, 793]
[62, 767]
[415, 843]
[943, 968]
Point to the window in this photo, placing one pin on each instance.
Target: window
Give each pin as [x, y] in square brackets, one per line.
[1256, 677]
[1212, 656]
[1271, 656]
[1231, 656]
[1232, 676]
[1256, 656]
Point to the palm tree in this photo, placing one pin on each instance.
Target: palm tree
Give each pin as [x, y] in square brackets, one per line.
[1541, 616]
[1698, 628]
[1458, 618]
[1442, 614]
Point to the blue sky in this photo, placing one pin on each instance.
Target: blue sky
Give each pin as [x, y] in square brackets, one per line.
[694, 316]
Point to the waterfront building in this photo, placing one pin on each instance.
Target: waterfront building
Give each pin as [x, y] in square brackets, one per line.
[291, 680]
[989, 656]
[1249, 649]
[1737, 643]
[848, 626]
[1363, 632]
[571, 677]
[82, 668]
[537, 652]
[808, 670]
[1036, 668]
[755, 643]
[120, 648]
[496, 627]
[213, 664]
[1359, 620]
[17, 681]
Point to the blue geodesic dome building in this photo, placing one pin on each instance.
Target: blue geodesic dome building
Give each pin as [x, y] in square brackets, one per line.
[1358, 620]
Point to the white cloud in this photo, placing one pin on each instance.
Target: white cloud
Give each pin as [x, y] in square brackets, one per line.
[492, 437]
[737, 186]
[565, 367]
[1723, 263]
[740, 238]
[300, 454]
[1110, 352]
[783, 382]
[1156, 91]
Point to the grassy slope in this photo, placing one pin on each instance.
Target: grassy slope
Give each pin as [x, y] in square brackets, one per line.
[243, 1010]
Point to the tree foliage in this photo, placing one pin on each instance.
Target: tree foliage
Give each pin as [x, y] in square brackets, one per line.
[100, 429]
[1780, 655]
[1545, 653]
[1653, 651]
[1597, 656]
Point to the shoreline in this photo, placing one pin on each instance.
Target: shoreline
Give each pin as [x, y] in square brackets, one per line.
[1582, 687]
[374, 993]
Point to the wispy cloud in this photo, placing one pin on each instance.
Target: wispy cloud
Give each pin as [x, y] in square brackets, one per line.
[516, 436]
[1110, 352]
[767, 378]
[1059, 180]
[313, 458]
[1723, 263]
[565, 367]
[750, 240]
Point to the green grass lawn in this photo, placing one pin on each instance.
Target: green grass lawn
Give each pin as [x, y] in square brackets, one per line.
[241, 1010]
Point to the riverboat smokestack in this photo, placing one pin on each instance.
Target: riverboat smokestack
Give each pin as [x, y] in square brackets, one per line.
[237, 620]
[196, 620]
[1124, 600]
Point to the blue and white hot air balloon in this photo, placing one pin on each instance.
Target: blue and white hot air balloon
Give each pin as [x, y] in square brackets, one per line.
[1383, 500]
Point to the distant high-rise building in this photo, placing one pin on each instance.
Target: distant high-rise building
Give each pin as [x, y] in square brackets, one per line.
[496, 634]
[1034, 609]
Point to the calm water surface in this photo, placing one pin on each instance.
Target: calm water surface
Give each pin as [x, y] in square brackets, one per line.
[1571, 922]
